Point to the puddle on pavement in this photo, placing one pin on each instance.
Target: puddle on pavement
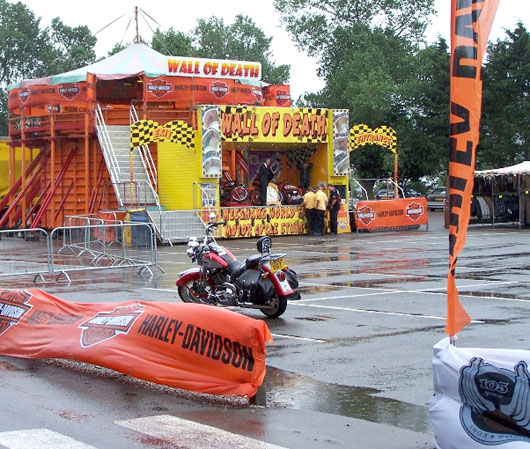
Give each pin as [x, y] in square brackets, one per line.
[291, 390]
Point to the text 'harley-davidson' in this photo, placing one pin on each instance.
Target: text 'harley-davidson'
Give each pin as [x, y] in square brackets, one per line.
[262, 281]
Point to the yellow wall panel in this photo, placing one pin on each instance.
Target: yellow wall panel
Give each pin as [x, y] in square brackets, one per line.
[177, 170]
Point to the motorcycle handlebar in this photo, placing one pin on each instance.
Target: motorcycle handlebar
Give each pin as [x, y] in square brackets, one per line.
[217, 223]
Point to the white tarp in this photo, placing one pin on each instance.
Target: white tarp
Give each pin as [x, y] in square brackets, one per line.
[481, 398]
[519, 169]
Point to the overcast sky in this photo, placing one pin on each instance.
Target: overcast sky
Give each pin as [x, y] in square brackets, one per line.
[183, 15]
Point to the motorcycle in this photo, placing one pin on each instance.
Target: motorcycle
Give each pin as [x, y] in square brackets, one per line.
[290, 194]
[262, 281]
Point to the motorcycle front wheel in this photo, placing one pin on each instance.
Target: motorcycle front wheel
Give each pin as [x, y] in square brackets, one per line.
[195, 292]
[279, 304]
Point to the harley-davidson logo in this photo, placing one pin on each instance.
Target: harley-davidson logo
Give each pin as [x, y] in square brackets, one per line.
[282, 97]
[219, 89]
[106, 325]
[23, 95]
[415, 211]
[365, 215]
[13, 306]
[494, 407]
[69, 91]
[158, 87]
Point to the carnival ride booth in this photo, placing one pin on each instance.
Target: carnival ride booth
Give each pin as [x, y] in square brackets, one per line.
[232, 143]
[502, 195]
[141, 130]
[79, 121]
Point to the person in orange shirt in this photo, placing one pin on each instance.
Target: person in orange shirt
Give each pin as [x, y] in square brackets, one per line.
[320, 210]
[310, 199]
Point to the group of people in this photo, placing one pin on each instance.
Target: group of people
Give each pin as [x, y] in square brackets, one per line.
[316, 202]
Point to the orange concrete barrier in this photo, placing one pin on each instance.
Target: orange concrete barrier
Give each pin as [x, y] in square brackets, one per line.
[189, 346]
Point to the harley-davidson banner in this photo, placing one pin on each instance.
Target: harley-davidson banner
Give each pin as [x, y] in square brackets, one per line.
[391, 213]
[189, 346]
[471, 22]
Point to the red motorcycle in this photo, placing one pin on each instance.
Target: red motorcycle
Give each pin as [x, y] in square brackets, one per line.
[262, 281]
[233, 195]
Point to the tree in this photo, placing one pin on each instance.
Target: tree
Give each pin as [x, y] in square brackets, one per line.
[368, 57]
[505, 131]
[242, 40]
[69, 48]
[173, 43]
[22, 44]
[27, 51]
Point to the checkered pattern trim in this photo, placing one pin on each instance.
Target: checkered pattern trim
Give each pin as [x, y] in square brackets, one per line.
[253, 109]
[300, 155]
[364, 135]
[144, 131]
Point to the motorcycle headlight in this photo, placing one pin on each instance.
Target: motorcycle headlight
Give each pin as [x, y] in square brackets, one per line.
[191, 249]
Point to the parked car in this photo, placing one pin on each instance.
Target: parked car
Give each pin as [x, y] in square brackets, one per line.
[387, 193]
[436, 199]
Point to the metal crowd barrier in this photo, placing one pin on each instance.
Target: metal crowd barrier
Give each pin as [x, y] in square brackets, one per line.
[108, 245]
[103, 246]
[24, 252]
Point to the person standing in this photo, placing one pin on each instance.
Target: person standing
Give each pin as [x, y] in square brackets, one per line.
[334, 206]
[305, 171]
[309, 205]
[264, 176]
[320, 210]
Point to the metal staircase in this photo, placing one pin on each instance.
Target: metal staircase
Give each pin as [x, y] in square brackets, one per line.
[134, 181]
[140, 189]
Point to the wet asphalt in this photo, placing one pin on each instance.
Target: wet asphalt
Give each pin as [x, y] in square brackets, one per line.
[350, 366]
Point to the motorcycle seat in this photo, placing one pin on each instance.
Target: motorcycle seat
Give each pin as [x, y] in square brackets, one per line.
[253, 261]
[235, 268]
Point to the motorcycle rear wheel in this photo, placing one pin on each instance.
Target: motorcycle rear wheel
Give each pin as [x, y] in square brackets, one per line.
[194, 292]
[279, 304]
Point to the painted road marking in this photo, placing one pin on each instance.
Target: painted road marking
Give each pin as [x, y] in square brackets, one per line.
[41, 438]
[192, 435]
[292, 337]
[379, 312]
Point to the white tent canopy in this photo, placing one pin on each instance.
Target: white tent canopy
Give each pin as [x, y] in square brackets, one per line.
[140, 59]
[520, 169]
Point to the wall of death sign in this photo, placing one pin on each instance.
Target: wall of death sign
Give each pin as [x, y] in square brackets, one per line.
[188, 346]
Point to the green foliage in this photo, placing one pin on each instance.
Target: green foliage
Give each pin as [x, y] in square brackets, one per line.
[27, 51]
[173, 43]
[505, 129]
[242, 40]
[371, 60]
[69, 49]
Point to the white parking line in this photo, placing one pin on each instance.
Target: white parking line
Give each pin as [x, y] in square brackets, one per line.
[292, 337]
[41, 438]
[378, 312]
[192, 435]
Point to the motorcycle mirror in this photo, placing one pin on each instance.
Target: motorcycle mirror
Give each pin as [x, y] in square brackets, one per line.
[264, 244]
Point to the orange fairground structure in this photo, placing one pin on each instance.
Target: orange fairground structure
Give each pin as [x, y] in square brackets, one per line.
[82, 123]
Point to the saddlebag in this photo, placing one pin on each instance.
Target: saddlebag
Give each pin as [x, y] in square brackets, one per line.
[257, 290]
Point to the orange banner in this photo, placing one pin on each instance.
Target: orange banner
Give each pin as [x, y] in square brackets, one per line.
[66, 94]
[391, 213]
[471, 22]
[188, 346]
[189, 90]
